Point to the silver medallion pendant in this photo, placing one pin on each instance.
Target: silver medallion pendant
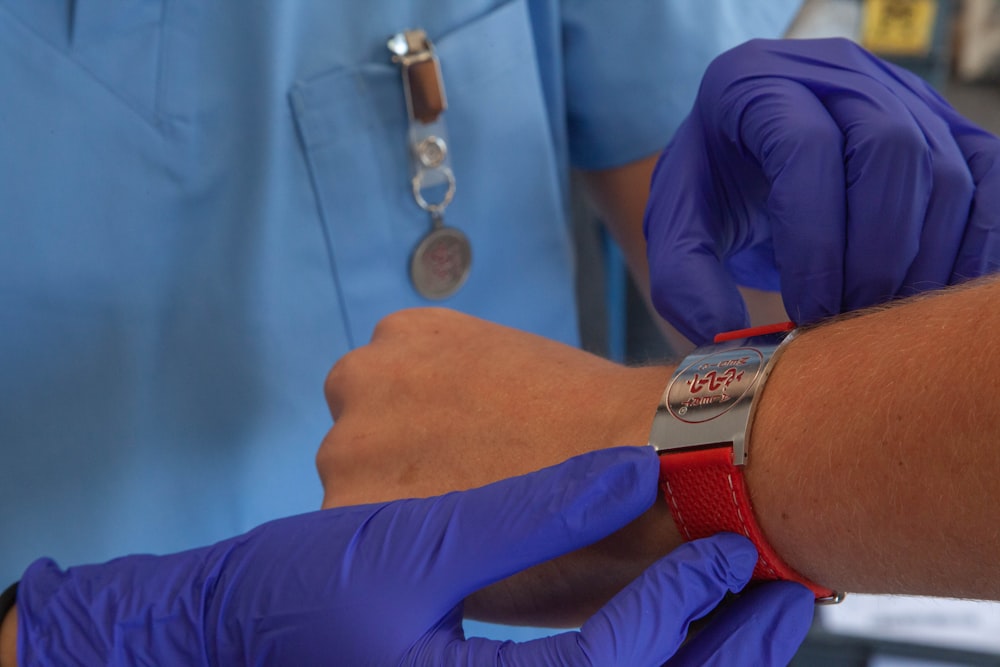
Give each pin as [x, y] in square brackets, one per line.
[440, 262]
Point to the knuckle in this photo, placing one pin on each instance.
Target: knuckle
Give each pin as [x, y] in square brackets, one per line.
[660, 292]
[343, 373]
[727, 66]
[735, 60]
[953, 176]
[391, 323]
[335, 376]
[885, 132]
[411, 320]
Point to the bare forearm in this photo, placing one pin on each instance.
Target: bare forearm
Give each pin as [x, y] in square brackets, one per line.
[8, 639]
[873, 455]
[873, 458]
[619, 198]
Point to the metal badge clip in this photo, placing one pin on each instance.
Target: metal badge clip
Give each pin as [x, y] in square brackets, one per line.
[422, 81]
[440, 262]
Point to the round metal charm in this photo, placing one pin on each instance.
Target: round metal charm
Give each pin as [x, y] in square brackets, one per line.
[713, 384]
[440, 263]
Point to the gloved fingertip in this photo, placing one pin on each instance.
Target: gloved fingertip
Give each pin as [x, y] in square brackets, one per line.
[800, 600]
[633, 474]
[794, 606]
[732, 320]
[803, 308]
[603, 490]
[709, 311]
[768, 622]
[739, 558]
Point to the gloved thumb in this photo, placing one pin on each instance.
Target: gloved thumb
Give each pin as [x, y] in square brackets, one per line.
[642, 625]
[471, 539]
[686, 242]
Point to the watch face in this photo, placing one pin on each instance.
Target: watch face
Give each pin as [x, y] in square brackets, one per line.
[712, 385]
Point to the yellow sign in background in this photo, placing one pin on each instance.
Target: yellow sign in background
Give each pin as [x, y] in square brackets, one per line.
[899, 27]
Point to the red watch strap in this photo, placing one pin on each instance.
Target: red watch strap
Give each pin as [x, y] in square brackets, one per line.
[708, 494]
[762, 330]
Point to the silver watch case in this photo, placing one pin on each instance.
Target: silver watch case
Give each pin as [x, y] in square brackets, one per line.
[711, 398]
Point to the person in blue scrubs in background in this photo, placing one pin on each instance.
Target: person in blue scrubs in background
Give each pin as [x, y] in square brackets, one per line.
[205, 206]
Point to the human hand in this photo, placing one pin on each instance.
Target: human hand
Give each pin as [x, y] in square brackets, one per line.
[814, 167]
[440, 401]
[383, 584]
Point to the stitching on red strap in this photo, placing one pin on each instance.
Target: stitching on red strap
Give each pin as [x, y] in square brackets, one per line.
[746, 529]
[678, 517]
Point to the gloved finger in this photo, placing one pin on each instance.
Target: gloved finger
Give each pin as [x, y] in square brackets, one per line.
[947, 215]
[764, 626]
[711, 305]
[979, 253]
[874, 140]
[755, 267]
[888, 169]
[951, 188]
[648, 620]
[887, 174]
[980, 249]
[686, 241]
[461, 542]
[642, 625]
[799, 147]
[887, 161]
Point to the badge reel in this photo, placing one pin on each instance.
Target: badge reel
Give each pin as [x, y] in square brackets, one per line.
[441, 261]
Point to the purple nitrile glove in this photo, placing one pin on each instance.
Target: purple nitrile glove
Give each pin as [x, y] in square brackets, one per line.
[647, 622]
[383, 584]
[814, 167]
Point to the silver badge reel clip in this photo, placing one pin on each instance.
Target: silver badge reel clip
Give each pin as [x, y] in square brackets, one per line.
[440, 263]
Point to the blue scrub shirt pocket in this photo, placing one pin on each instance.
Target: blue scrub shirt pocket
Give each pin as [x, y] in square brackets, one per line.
[346, 122]
[353, 126]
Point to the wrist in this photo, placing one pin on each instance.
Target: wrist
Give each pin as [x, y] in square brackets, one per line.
[790, 453]
[633, 403]
[627, 553]
[8, 638]
[617, 410]
[701, 431]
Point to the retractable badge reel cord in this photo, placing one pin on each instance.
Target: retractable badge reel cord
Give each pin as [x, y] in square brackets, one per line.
[440, 263]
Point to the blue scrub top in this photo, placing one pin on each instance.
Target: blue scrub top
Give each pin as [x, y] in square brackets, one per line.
[204, 204]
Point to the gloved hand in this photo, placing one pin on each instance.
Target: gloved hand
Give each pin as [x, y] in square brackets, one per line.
[814, 167]
[382, 585]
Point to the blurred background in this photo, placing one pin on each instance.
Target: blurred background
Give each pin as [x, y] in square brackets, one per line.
[954, 45]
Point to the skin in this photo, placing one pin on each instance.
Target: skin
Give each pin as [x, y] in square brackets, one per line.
[8, 638]
[876, 461]
[618, 197]
[459, 430]
[852, 454]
